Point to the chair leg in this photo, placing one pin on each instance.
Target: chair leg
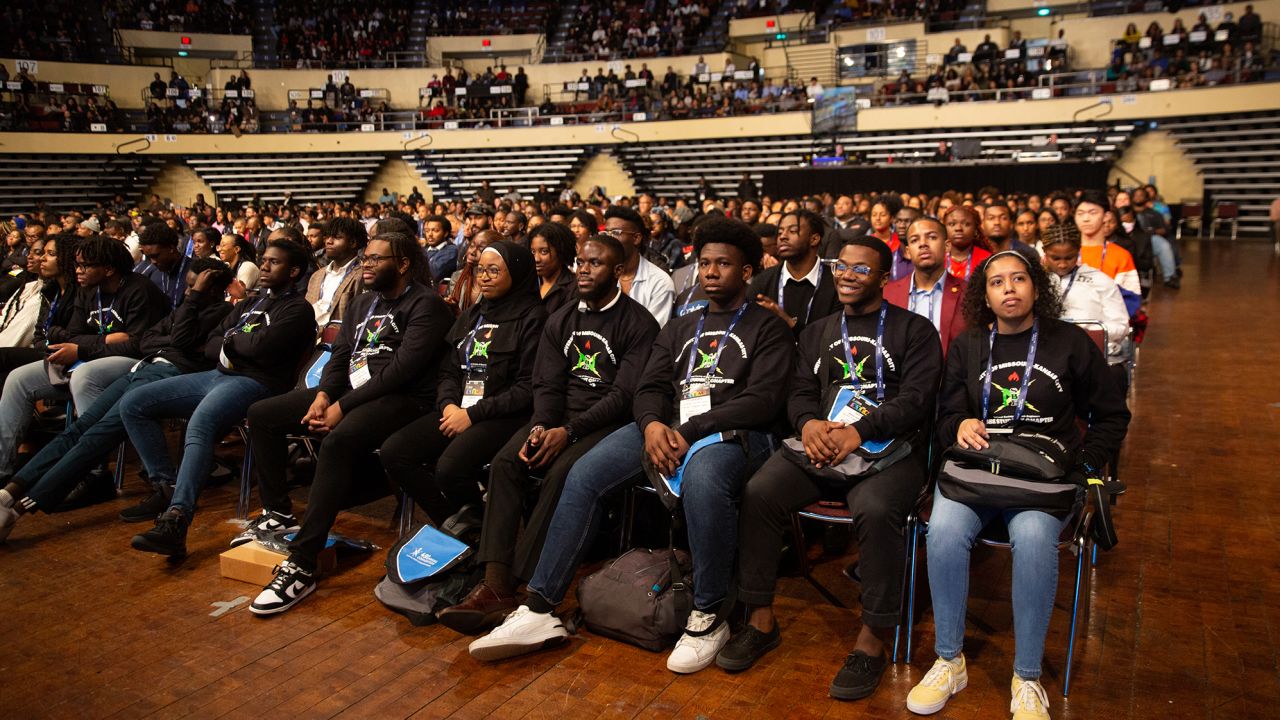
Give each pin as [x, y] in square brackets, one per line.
[628, 520]
[907, 532]
[920, 529]
[805, 568]
[1075, 612]
[246, 478]
[404, 513]
[120, 467]
[71, 414]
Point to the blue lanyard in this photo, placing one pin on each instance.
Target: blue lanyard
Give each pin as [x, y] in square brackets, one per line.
[173, 283]
[471, 342]
[782, 280]
[102, 325]
[53, 310]
[697, 335]
[351, 267]
[1021, 402]
[1070, 282]
[848, 353]
[240, 322]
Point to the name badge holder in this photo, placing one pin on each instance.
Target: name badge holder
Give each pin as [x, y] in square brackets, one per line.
[850, 404]
[358, 372]
[695, 397]
[473, 390]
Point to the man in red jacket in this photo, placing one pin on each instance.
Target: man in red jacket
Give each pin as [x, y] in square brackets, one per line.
[929, 291]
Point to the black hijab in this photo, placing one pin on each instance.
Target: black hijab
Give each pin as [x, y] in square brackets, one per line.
[522, 298]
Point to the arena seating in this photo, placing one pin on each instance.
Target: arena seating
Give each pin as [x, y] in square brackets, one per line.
[71, 182]
[456, 174]
[671, 168]
[1236, 156]
[329, 176]
[993, 144]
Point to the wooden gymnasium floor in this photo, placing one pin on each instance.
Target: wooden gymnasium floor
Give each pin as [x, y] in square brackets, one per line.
[1185, 613]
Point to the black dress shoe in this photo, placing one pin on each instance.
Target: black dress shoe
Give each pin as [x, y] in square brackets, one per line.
[859, 676]
[746, 647]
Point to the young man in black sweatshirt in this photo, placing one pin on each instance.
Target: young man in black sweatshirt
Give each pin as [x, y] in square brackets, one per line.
[258, 350]
[864, 376]
[710, 372]
[799, 289]
[380, 377]
[173, 347]
[589, 363]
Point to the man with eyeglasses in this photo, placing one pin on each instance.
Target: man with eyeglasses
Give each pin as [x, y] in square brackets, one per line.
[861, 400]
[641, 280]
[380, 377]
[799, 290]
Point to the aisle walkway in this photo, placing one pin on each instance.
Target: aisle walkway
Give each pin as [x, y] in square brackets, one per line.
[1185, 612]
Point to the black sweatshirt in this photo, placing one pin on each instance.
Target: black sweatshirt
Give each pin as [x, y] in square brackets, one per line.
[265, 338]
[180, 337]
[912, 359]
[589, 364]
[503, 359]
[750, 383]
[135, 306]
[563, 292]
[402, 342]
[796, 295]
[1071, 381]
[62, 314]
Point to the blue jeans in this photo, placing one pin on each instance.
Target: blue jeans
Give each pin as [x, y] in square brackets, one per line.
[712, 483]
[24, 386]
[214, 401]
[55, 470]
[953, 528]
[91, 379]
[1163, 250]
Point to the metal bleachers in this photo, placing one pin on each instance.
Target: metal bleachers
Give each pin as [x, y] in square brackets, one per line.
[1235, 155]
[1084, 141]
[457, 174]
[240, 178]
[669, 168]
[70, 182]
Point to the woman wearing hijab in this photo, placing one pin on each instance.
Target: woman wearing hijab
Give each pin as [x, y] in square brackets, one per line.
[553, 248]
[464, 291]
[485, 393]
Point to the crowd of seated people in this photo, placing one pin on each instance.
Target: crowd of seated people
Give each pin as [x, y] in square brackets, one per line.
[1200, 56]
[627, 28]
[177, 107]
[340, 33]
[53, 30]
[496, 17]
[455, 354]
[224, 17]
[39, 106]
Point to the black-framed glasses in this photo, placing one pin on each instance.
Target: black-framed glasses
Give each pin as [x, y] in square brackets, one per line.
[375, 259]
[89, 266]
[492, 271]
[619, 232]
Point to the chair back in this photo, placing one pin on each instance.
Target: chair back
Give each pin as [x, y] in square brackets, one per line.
[1227, 211]
[329, 334]
[1096, 330]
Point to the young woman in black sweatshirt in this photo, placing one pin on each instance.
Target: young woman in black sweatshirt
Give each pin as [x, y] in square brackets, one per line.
[891, 359]
[379, 378]
[1018, 369]
[485, 390]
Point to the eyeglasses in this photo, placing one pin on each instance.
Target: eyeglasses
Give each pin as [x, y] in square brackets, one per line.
[492, 271]
[89, 266]
[375, 259]
[839, 268]
[619, 232]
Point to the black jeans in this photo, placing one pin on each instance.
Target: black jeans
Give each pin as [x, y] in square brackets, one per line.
[408, 454]
[338, 468]
[879, 506]
[509, 482]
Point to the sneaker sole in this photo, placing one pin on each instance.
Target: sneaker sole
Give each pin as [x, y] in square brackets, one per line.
[936, 707]
[141, 543]
[746, 663]
[263, 612]
[511, 648]
[472, 622]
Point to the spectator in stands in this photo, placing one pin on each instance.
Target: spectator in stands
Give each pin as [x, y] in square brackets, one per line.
[238, 254]
[1250, 27]
[728, 252]
[968, 245]
[379, 379]
[953, 54]
[442, 255]
[332, 289]
[1016, 300]
[797, 289]
[1113, 260]
[1086, 293]
[258, 347]
[640, 279]
[927, 289]
[554, 252]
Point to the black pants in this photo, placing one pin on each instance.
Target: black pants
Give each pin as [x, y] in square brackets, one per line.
[509, 482]
[338, 468]
[408, 454]
[879, 506]
[12, 358]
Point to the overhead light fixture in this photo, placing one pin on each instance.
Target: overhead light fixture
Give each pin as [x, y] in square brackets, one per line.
[1043, 12]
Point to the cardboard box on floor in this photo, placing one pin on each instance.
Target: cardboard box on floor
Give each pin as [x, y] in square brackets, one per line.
[253, 563]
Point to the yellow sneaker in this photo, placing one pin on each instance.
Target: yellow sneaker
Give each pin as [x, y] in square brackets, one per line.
[944, 679]
[1029, 700]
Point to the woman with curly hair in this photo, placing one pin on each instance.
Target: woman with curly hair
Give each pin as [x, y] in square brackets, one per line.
[967, 245]
[1018, 370]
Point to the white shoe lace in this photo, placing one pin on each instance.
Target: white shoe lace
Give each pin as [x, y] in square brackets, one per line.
[699, 621]
[1029, 696]
[283, 574]
[941, 675]
[512, 620]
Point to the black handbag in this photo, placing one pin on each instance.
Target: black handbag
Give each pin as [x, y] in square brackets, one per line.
[1018, 472]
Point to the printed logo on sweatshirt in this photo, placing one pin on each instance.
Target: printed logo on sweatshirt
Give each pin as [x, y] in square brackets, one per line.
[105, 319]
[734, 348]
[374, 331]
[1006, 384]
[861, 375]
[586, 350]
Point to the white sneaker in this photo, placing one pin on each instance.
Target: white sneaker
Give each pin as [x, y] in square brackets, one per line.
[698, 648]
[8, 516]
[1029, 700]
[524, 631]
[944, 679]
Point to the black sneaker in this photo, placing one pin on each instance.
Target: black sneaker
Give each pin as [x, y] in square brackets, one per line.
[268, 524]
[96, 487]
[168, 537]
[746, 647]
[1173, 283]
[150, 508]
[859, 676]
[290, 585]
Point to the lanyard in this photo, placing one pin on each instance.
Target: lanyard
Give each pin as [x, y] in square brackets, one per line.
[1101, 261]
[1021, 402]
[1070, 282]
[174, 282]
[911, 304]
[102, 324]
[697, 335]
[782, 280]
[53, 310]
[351, 267]
[471, 342]
[241, 321]
[848, 353]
